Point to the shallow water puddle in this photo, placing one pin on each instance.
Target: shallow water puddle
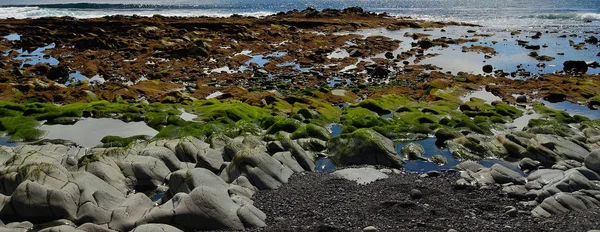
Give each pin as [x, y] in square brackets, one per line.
[510, 57]
[324, 164]
[89, 131]
[187, 116]
[4, 142]
[34, 57]
[12, 37]
[521, 122]
[573, 109]
[214, 95]
[483, 94]
[77, 76]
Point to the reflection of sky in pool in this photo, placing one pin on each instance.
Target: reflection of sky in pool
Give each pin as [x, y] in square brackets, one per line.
[431, 149]
[34, 57]
[573, 109]
[88, 132]
[4, 142]
[12, 37]
[510, 53]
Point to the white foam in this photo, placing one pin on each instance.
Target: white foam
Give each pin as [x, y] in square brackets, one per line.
[37, 12]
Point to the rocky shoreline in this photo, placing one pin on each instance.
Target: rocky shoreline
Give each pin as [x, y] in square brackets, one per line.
[246, 112]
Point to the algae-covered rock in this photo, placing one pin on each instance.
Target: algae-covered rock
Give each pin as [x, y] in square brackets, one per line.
[363, 146]
[311, 131]
[413, 151]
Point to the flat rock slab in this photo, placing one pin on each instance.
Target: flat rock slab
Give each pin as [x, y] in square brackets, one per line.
[360, 175]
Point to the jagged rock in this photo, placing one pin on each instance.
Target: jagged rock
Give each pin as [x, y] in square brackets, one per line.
[363, 146]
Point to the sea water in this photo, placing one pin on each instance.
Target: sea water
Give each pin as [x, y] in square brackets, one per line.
[516, 14]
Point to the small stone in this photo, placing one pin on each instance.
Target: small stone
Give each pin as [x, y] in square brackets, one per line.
[512, 211]
[370, 228]
[452, 230]
[461, 184]
[522, 99]
[488, 68]
[433, 173]
[416, 194]
[279, 219]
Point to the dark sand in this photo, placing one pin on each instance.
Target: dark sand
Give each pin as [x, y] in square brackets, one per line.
[317, 202]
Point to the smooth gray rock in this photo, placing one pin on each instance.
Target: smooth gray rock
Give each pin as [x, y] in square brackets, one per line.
[360, 175]
[124, 217]
[264, 171]
[211, 159]
[469, 165]
[563, 147]
[156, 228]
[91, 227]
[184, 181]
[163, 154]
[413, 151]
[305, 158]
[592, 161]
[482, 177]
[502, 174]
[189, 148]
[63, 228]
[287, 159]
[363, 146]
[564, 202]
[528, 164]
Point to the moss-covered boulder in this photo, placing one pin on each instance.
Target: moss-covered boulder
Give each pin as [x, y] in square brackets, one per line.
[363, 146]
[311, 131]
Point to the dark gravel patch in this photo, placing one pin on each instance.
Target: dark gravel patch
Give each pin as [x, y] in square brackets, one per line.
[318, 202]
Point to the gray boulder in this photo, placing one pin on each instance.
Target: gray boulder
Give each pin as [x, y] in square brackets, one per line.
[124, 217]
[565, 202]
[592, 161]
[502, 175]
[163, 154]
[363, 146]
[156, 228]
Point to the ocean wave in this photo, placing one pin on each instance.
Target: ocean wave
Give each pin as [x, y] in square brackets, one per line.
[566, 16]
[38, 12]
[99, 6]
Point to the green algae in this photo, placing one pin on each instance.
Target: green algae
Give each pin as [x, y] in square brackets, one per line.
[21, 128]
[118, 141]
[311, 131]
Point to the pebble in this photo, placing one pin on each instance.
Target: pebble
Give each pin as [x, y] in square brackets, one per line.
[279, 219]
[433, 173]
[452, 230]
[512, 211]
[416, 194]
[370, 228]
